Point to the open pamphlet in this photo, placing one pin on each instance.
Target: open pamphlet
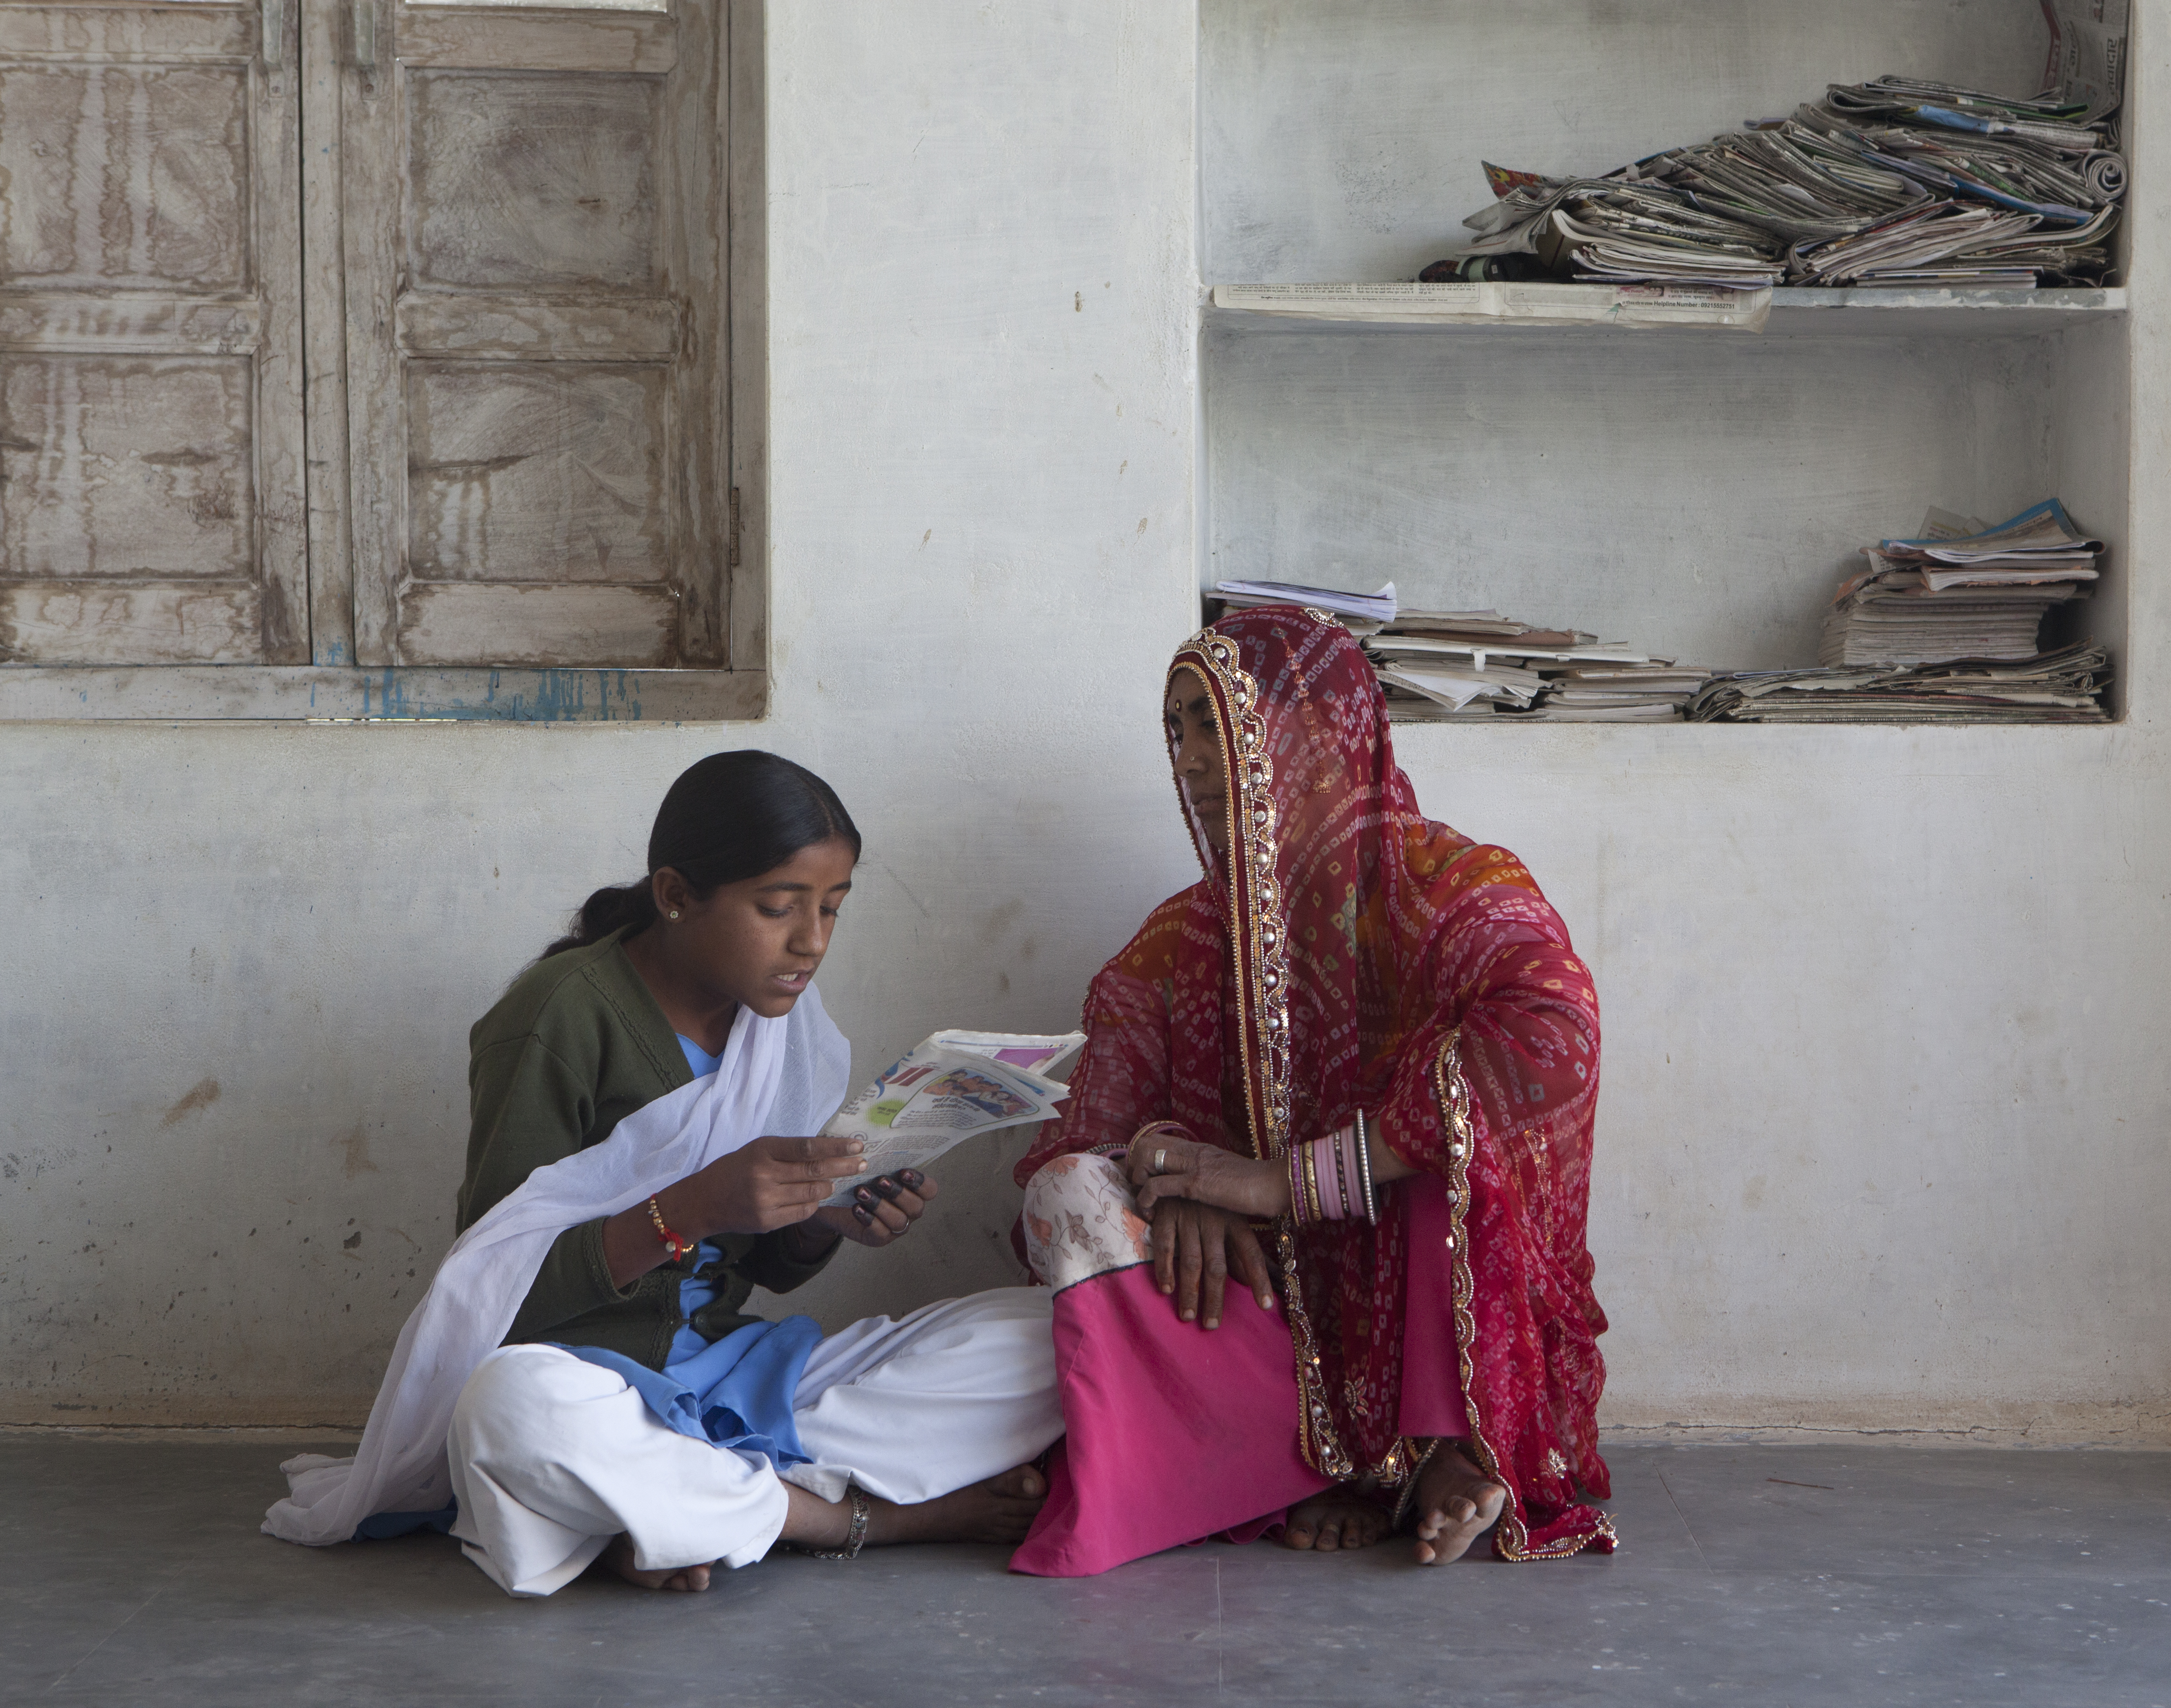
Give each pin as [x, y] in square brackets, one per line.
[952, 1087]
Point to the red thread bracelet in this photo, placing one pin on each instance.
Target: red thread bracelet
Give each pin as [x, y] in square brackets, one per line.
[671, 1243]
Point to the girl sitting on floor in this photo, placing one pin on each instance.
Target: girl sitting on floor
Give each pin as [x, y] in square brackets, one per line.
[583, 1380]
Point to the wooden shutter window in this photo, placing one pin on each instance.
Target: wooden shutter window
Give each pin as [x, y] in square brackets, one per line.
[150, 472]
[533, 224]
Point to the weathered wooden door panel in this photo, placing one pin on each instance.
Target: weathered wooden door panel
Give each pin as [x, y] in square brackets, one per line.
[512, 465]
[448, 623]
[535, 278]
[532, 181]
[127, 466]
[135, 622]
[150, 468]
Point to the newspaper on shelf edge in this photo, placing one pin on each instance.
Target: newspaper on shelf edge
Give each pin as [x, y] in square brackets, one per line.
[953, 1086]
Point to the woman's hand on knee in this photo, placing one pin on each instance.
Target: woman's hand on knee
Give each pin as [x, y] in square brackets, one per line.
[1197, 1248]
[772, 1183]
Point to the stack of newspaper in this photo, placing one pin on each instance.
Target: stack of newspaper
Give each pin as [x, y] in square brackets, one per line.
[1437, 665]
[1892, 183]
[1960, 590]
[2064, 686]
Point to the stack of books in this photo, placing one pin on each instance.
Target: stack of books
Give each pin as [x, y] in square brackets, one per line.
[1960, 590]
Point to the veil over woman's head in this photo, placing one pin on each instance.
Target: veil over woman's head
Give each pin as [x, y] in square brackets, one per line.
[1325, 885]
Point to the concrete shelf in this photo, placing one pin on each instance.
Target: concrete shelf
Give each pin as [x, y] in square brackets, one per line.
[1824, 312]
[1695, 491]
[1989, 313]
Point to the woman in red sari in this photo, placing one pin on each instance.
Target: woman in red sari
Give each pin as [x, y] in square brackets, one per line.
[1355, 1068]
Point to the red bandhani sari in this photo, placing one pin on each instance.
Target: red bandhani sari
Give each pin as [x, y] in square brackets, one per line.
[1350, 953]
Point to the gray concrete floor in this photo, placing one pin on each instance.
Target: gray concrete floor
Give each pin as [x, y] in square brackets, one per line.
[131, 1572]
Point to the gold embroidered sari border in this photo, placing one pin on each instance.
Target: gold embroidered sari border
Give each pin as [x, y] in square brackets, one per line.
[1511, 1537]
[1258, 934]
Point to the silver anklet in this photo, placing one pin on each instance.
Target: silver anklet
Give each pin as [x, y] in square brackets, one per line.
[1408, 1499]
[855, 1538]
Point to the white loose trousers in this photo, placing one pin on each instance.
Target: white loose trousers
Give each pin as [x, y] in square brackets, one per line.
[553, 1456]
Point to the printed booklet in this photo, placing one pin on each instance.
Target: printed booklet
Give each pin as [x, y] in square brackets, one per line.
[954, 1087]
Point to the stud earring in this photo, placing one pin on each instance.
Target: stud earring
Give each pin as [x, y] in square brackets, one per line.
[674, 912]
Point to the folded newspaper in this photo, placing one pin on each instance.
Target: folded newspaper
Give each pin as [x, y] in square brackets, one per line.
[954, 1086]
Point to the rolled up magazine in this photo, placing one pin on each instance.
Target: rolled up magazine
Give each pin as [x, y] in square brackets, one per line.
[952, 1087]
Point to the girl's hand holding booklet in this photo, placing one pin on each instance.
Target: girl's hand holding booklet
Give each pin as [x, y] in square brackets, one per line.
[954, 1085]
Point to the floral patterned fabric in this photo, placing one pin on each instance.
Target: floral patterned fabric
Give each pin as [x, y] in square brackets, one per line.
[1082, 1220]
[1349, 953]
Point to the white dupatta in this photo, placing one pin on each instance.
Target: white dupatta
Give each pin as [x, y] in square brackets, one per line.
[786, 1075]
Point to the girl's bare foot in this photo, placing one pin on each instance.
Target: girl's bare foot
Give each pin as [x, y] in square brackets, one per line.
[1332, 1521]
[618, 1557]
[1000, 1509]
[1456, 1504]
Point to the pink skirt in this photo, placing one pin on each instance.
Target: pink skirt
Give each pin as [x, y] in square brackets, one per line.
[1174, 1433]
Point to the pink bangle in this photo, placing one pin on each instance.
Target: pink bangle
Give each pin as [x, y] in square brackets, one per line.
[1329, 1180]
[1336, 1183]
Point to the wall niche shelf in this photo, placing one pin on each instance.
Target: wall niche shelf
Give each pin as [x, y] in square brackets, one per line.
[1696, 492]
[1853, 314]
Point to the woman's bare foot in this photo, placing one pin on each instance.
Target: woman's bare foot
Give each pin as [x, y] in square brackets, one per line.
[1000, 1509]
[1456, 1504]
[618, 1557]
[1332, 1521]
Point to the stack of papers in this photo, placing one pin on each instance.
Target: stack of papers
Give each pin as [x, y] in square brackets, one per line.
[2064, 686]
[1960, 590]
[1892, 183]
[1363, 612]
[1436, 665]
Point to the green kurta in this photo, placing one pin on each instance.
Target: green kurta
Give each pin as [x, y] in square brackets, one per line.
[572, 1048]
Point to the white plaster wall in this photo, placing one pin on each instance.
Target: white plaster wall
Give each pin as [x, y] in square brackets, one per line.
[1884, 1122]
[982, 320]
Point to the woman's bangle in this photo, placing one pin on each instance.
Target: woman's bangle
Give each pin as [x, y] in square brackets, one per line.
[1328, 1181]
[1365, 1169]
[1304, 1187]
[673, 1246]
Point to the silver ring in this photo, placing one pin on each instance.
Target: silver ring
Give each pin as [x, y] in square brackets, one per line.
[1161, 1157]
